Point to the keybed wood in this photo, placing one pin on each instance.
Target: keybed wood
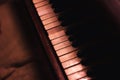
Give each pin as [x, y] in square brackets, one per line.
[56, 33]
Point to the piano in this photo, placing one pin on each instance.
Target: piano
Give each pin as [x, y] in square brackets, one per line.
[77, 40]
[83, 35]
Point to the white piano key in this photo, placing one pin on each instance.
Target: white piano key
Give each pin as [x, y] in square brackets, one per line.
[74, 69]
[77, 75]
[46, 11]
[71, 62]
[85, 78]
[52, 25]
[44, 8]
[54, 30]
[49, 20]
[68, 56]
[37, 1]
[48, 15]
[65, 50]
[58, 40]
[57, 34]
[39, 4]
[62, 45]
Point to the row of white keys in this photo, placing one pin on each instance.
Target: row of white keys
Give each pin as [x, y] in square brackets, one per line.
[63, 44]
[59, 40]
[46, 10]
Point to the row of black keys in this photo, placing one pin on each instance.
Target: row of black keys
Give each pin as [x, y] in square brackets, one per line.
[91, 29]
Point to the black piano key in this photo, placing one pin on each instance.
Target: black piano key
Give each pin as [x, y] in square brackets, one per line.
[71, 38]
[69, 15]
[76, 43]
[76, 38]
[86, 61]
[82, 54]
[57, 8]
[56, 5]
[90, 73]
[63, 5]
[70, 21]
[71, 31]
[85, 56]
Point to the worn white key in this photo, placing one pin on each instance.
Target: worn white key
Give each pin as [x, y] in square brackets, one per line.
[68, 56]
[71, 62]
[54, 30]
[39, 4]
[50, 20]
[77, 75]
[46, 11]
[74, 69]
[62, 45]
[58, 40]
[51, 25]
[46, 16]
[65, 50]
[57, 34]
[36, 1]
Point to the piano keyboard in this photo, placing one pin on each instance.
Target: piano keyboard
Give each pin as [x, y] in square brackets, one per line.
[56, 33]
